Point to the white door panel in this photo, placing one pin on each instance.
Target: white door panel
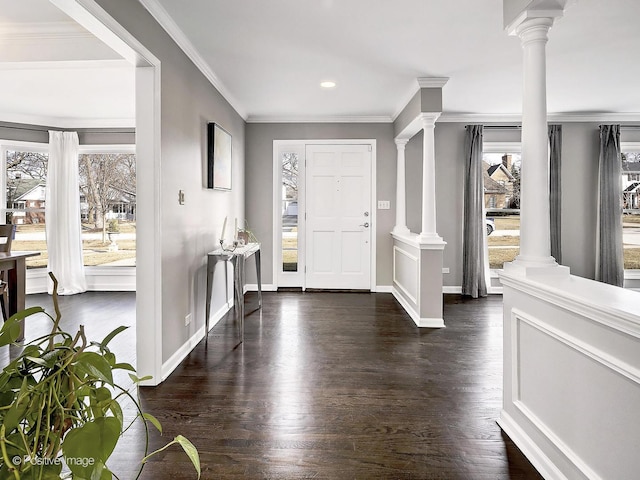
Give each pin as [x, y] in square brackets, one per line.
[338, 226]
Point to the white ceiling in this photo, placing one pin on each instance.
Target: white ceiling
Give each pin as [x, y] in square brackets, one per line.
[268, 58]
[55, 73]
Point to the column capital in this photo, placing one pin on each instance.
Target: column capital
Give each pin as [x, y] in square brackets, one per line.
[534, 30]
[429, 119]
[401, 142]
[515, 16]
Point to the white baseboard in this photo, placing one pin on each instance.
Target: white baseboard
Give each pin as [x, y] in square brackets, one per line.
[253, 287]
[452, 289]
[415, 316]
[99, 279]
[536, 456]
[384, 289]
[170, 365]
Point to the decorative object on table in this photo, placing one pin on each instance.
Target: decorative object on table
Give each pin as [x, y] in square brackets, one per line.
[59, 405]
[218, 157]
[246, 236]
[227, 247]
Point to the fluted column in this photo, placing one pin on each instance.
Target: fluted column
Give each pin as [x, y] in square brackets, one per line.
[401, 191]
[535, 243]
[429, 233]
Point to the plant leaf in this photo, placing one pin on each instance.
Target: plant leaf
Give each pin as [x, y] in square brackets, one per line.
[27, 312]
[187, 446]
[137, 379]
[95, 365]
[124, 366]
[9, 333]
[191, 451]
[116, 409]
[109, 337]
[87, 448]
[154, 420]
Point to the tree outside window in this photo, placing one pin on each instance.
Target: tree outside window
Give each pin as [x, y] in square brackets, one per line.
[107, 193]
[501, 178]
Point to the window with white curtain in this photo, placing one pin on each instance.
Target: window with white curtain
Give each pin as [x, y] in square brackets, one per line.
[107, 199]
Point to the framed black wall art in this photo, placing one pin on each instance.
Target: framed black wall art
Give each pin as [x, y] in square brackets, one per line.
[218, 157]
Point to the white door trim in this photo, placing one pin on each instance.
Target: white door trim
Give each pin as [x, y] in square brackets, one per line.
[277, 223]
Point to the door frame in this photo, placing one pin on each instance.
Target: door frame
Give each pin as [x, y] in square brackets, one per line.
[96, 20]
[298, 279]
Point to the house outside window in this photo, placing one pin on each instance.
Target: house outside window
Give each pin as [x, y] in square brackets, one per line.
[631, 205]
[501, 178]
[25, 175]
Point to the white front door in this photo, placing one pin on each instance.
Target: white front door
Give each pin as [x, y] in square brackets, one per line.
[338, 224]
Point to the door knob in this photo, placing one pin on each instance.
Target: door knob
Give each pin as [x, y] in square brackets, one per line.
[365, 225]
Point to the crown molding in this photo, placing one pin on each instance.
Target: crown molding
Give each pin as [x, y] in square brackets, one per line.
[479, 117]
[318, 119]
[66, 65]
[158, 12]
[432, 82]
[18, 32]
[551, 117]
[67, 122]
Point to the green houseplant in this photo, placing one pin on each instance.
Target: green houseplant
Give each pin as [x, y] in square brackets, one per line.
[59, 405]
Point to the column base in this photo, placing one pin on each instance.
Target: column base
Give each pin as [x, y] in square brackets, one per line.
[535, 266]
[400, 230]
[430, 238]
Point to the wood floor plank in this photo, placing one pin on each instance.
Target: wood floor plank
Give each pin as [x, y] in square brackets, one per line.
[326, 386]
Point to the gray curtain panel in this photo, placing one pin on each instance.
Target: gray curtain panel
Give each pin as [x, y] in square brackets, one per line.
[473, 275]
[609, 253]
[555, 201]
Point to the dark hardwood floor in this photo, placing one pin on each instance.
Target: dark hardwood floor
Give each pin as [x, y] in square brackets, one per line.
[327, 386]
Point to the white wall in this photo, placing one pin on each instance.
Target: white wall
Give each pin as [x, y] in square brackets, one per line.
[572, 376]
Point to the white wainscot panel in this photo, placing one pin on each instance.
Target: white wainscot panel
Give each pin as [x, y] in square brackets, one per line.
[584, 400]
[405, 273]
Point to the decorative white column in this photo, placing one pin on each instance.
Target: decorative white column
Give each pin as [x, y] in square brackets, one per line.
[535, 243]
[429, 233]
[401, 190]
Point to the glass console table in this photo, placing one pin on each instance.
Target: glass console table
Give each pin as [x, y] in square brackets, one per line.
[237, 258]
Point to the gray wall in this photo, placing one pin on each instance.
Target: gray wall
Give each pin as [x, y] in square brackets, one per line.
[449, 151]
[259, 181]
[189, 231]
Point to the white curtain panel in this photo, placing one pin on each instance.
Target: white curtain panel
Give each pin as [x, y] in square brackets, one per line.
[62, 214]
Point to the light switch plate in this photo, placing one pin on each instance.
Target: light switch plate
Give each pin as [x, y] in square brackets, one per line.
[384, 204]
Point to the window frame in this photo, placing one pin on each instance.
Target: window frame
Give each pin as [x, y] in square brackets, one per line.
[284, 278]
[39, 147]
[498, 147]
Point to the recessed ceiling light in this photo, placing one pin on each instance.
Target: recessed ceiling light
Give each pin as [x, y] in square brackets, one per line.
[328, 84]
